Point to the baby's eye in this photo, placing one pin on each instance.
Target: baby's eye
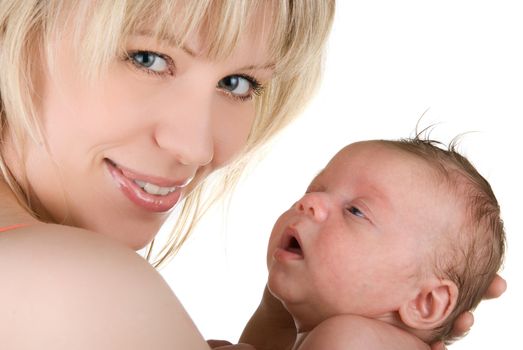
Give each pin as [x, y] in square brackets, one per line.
[356, 212]
[151, 62]
[240, 86]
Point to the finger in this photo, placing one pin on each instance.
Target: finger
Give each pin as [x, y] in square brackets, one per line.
[462, 324]
[438, 346]
[213, 343]
[236, 347]
[496, 288]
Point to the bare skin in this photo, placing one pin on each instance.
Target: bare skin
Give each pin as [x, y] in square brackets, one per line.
[68, 281]
[80, 285]
[269, 307]
[273, 318]
[101, 260]
[354, 332]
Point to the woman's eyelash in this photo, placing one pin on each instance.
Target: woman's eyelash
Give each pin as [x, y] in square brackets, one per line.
[130, 56]
[256, 88]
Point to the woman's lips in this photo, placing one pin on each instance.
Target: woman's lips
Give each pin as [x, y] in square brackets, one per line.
[159, 181]
[125, 180]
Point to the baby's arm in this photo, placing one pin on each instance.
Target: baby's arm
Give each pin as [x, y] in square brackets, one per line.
[346, 332]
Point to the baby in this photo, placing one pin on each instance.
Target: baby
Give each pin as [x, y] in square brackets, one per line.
[390, 243]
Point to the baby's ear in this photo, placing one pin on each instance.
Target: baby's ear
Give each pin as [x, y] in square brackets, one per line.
[430, 307]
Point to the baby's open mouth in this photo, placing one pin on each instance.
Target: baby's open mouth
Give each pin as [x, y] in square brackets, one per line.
[291, 243]
[294, 246]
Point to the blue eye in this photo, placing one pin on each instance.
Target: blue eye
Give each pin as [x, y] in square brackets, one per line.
[356, 212]
[240, 86]
[151, 62]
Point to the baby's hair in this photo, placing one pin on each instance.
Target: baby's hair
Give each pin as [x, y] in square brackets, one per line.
[476, 252]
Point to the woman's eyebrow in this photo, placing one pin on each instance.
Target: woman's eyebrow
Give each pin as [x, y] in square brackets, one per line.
[268, 66]
[172, 41]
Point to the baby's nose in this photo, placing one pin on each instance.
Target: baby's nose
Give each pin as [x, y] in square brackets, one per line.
[314, 205]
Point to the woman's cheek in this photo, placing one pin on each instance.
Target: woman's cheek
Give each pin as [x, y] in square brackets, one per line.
[232, 126]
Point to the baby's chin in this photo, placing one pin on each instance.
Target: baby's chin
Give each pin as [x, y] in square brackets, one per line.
[273, 288]
[296, 304]
[285, 295]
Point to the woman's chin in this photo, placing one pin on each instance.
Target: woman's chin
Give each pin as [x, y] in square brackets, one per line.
[135, 235]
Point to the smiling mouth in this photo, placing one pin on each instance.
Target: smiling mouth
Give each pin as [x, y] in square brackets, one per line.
[155, 189]
[150, 187]
[151, 193]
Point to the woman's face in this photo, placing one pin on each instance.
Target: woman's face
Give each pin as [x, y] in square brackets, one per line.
[123, 149]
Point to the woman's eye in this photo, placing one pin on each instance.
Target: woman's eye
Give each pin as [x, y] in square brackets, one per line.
[240, 86]
[356, 212]
[151, 62]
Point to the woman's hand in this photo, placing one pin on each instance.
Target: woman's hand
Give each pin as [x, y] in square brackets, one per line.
[271, 327]
[225, 345]
[465, 321]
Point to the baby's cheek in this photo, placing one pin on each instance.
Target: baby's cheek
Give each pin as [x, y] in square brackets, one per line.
[275, 237]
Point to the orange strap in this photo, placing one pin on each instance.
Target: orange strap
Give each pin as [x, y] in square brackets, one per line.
[12, 227]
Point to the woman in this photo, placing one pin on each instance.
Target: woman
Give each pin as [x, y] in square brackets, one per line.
[113, 112]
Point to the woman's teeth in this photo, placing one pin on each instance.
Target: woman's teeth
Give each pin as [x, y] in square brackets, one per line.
[154, 189]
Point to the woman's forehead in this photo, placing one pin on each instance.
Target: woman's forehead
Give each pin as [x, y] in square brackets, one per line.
[215, 29]
[279, 29]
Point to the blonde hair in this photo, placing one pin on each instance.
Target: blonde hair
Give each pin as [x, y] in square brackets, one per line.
[475, 253]
[298, 30]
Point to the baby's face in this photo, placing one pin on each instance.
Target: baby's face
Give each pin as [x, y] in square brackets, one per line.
[361, 237]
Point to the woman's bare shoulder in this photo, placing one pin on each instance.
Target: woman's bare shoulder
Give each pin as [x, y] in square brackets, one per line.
[67, 288]
[52, 241]
[46, 252]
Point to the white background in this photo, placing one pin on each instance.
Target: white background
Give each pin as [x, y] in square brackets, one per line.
[388, 62]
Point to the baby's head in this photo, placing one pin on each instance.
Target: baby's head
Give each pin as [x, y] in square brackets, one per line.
[400, 231]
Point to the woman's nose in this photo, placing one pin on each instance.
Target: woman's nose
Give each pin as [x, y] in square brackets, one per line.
[314, 205]
[186, 131]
